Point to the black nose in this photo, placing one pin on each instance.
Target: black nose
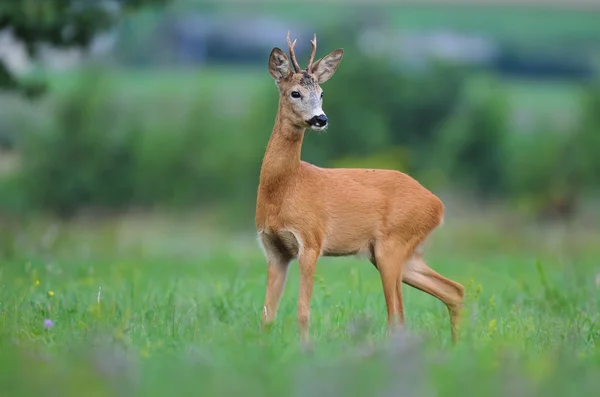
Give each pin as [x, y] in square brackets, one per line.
[318, 121]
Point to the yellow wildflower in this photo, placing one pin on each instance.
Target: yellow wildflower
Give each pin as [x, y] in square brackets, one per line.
[37, 282]
[492, 327]
[50, 293]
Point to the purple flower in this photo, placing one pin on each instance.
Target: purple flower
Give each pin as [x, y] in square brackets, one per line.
[48, 323]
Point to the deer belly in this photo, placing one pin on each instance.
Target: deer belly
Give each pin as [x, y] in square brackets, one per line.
[349, 240]
[360, 248]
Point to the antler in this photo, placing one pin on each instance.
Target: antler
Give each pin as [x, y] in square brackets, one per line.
[313, 44]
[292, 54]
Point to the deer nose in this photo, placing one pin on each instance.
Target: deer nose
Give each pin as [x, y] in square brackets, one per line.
[319, 121]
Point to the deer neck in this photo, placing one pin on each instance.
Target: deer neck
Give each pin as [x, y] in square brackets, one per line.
[282, 157]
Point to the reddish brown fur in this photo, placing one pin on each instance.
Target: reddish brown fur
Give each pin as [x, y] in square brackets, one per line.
[305, 212]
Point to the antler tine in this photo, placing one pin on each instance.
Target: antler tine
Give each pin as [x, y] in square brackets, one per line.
[292, 54]
[313, 52]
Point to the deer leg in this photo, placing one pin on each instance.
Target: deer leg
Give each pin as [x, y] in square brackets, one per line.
[418, 275]
[276, 279]
[390, 270]
[307, 261]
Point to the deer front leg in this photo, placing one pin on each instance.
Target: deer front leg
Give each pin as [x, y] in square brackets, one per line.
[276, 279]
[307, 261]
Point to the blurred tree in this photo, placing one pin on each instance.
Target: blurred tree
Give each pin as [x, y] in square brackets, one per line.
[470, 145]
[550, 171]
[59, 23]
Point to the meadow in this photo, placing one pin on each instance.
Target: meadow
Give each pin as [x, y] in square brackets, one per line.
[147, 304]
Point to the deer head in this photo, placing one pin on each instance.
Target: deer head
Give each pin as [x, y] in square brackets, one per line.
[301, 97]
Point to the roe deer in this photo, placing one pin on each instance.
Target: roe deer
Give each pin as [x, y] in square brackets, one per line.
[305, 212]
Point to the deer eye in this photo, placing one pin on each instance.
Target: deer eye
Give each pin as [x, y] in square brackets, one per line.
[321, 95]
[296, 94]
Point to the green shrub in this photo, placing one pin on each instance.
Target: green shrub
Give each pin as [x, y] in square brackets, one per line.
[587, 137]
[102, 150]
[549, 170]
[471, 144]
[82, 158]
[535, 176]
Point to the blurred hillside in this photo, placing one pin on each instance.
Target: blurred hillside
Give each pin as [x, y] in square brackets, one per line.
[171, 107]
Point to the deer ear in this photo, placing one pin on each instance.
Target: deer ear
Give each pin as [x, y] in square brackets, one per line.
[279, 66]
[325, 67]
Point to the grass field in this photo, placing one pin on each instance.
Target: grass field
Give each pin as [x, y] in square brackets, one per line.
[144, 306]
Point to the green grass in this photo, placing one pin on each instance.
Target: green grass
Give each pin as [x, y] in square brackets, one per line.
[146, 307]
[151, 83]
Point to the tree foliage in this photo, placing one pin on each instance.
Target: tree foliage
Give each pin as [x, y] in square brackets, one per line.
[58, 23]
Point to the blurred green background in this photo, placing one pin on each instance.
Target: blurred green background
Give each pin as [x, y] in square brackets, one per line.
[130, 166]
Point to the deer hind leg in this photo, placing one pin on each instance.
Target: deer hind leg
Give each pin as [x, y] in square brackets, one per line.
[388, 259]
[418, 275]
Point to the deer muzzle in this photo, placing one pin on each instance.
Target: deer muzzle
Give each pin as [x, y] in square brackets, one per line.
[318, 121]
